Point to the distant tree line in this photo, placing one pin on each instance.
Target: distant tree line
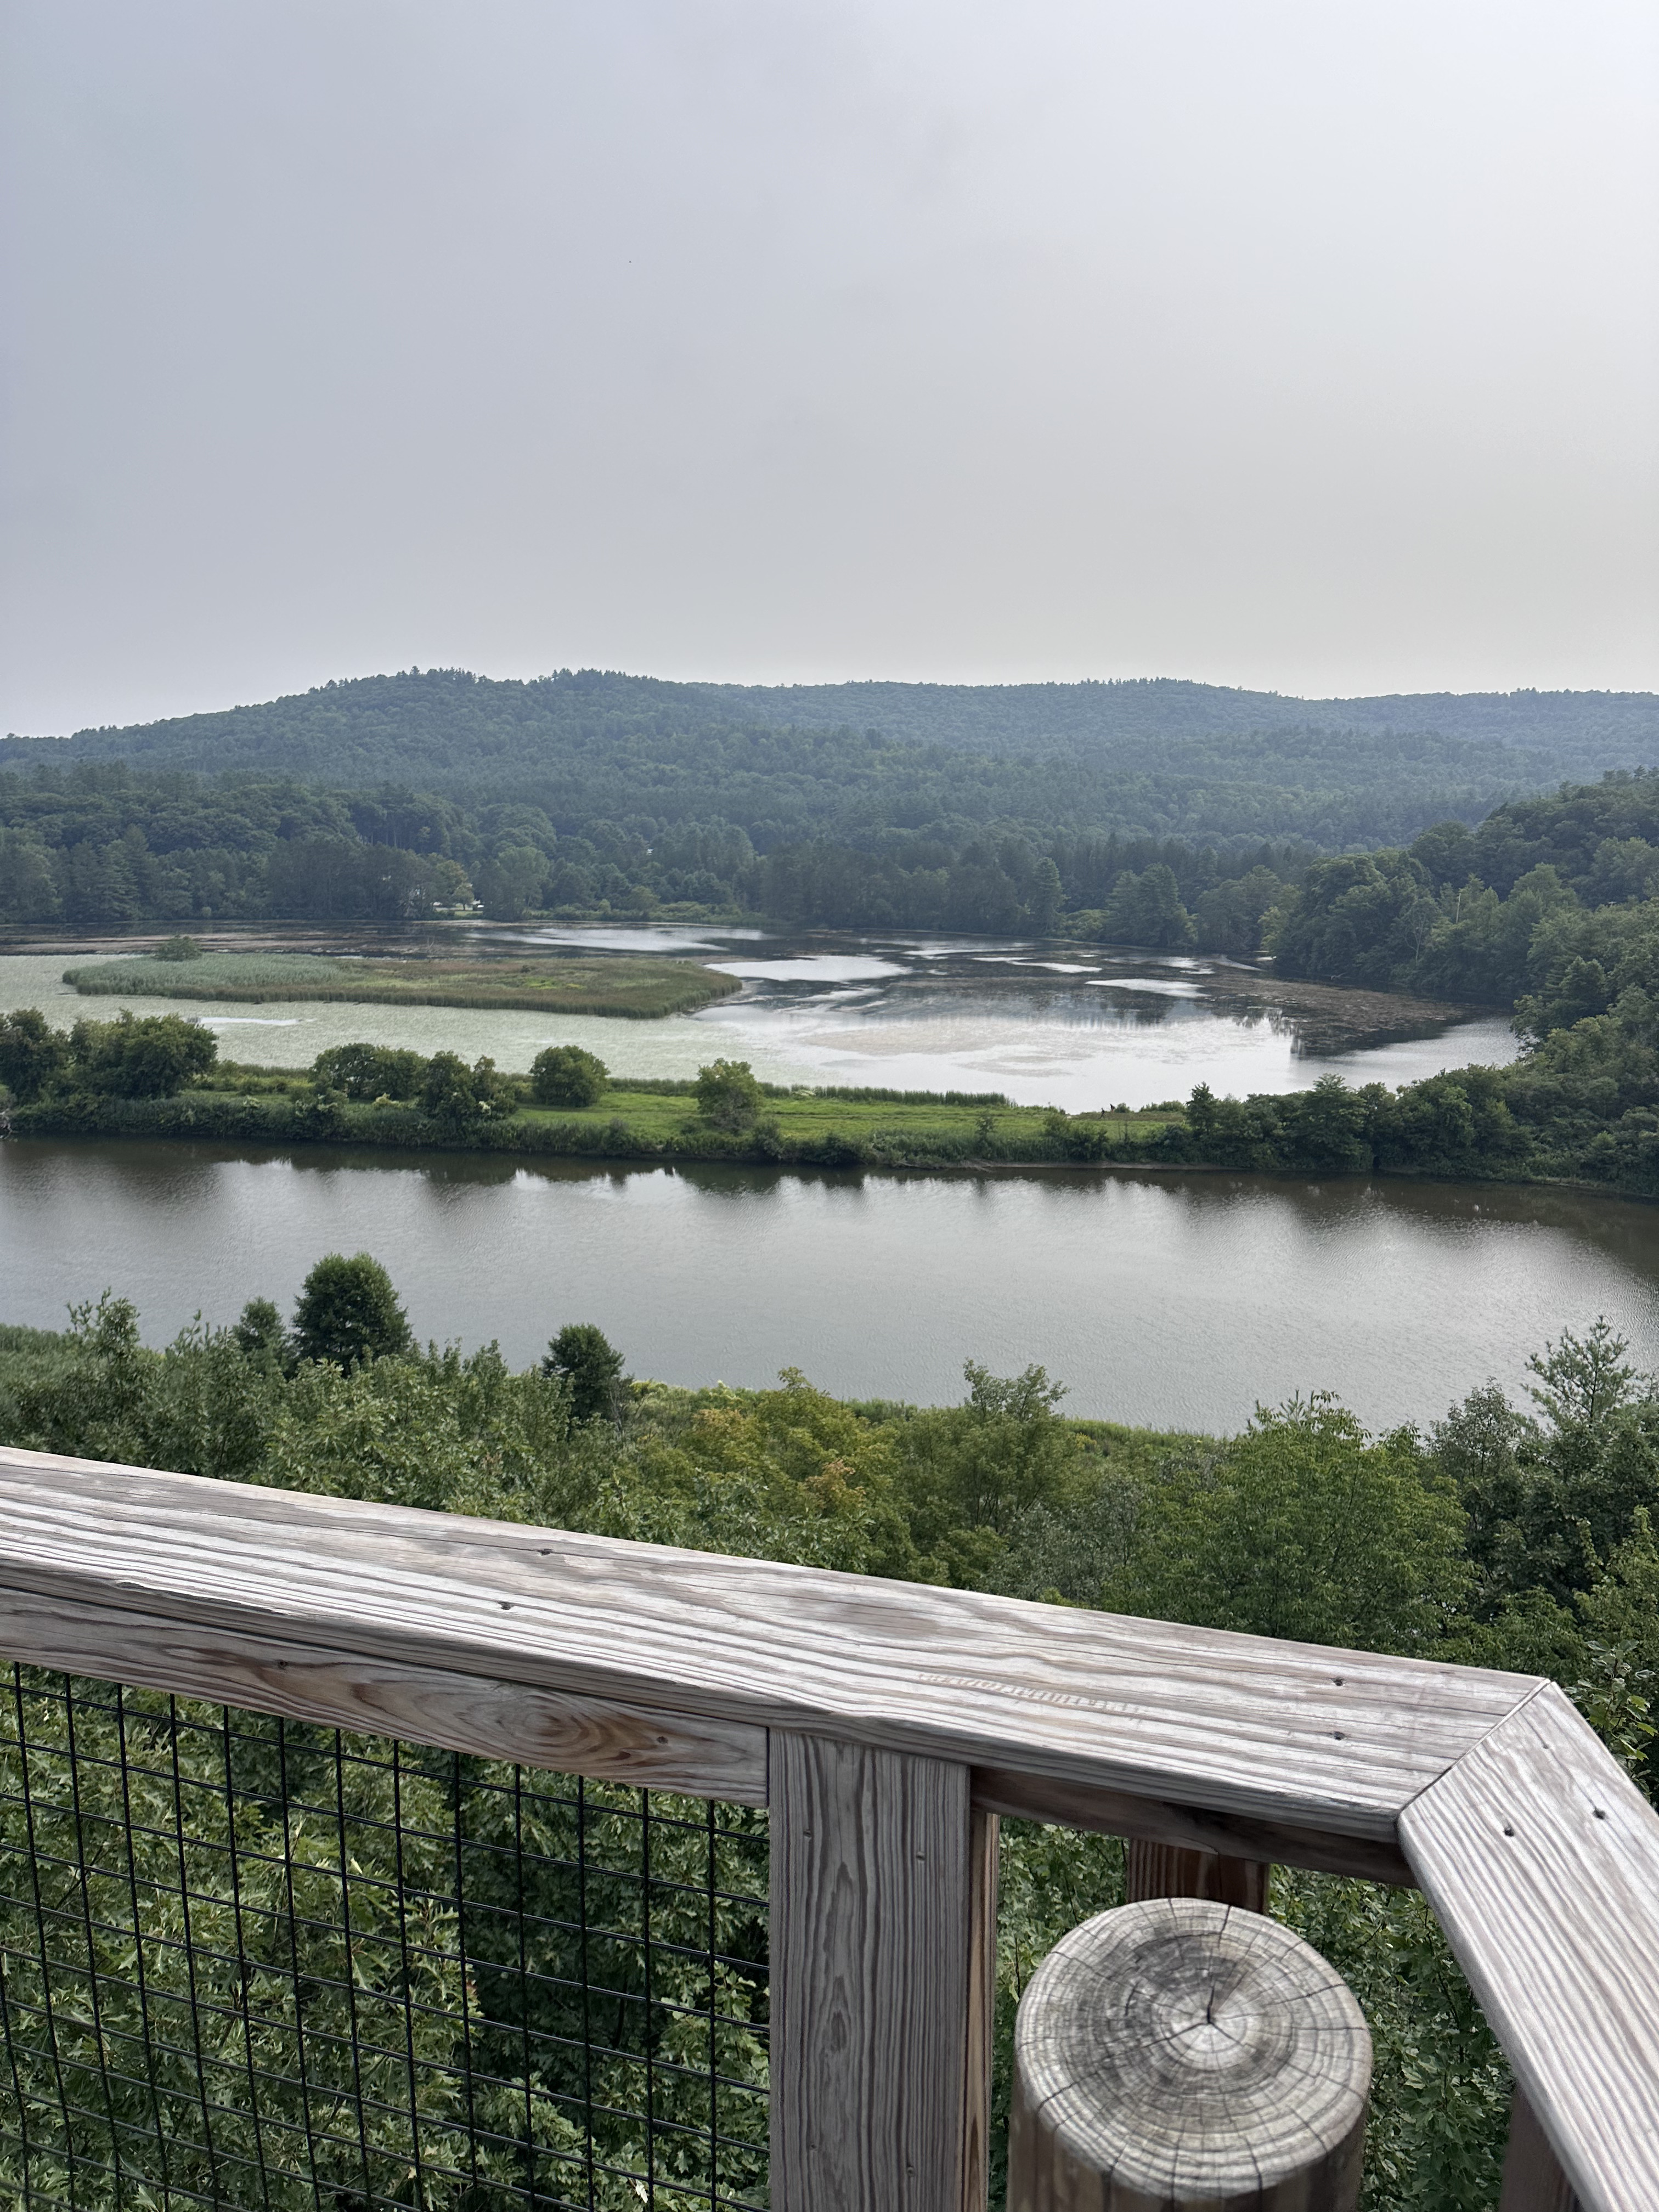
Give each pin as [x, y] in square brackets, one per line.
[105, 846]
[1104, 888]
[1544, 902]
[1551, 906]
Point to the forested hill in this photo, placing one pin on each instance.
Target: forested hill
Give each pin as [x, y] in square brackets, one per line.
[1162, 759]
[1137, 720]
[395, 725]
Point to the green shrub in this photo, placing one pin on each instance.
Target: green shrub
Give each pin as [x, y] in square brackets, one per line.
[366, 1071]
[565, 1075]
[31, 1053]
[140, 1056]
[728, 1096]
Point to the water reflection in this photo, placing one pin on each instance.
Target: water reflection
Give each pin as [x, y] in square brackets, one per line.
[1078, 1026]
[1179, 1300]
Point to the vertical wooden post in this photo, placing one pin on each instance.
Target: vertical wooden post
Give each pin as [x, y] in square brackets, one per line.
[984, 1840]
[1533, 2179]
[1181, 2056]
[873, 1887]
[1171, 1870]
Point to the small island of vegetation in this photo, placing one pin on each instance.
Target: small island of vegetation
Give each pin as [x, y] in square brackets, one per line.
[615, 984]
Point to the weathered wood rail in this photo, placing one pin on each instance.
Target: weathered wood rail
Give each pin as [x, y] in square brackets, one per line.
[886, 1725]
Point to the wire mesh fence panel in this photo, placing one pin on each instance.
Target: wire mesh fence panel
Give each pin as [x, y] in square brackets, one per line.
[252, 1962]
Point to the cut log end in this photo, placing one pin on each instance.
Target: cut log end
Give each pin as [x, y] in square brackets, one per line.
[1181, 2054]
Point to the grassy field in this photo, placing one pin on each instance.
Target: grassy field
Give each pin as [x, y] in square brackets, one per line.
[628, 989]
[812, 1115]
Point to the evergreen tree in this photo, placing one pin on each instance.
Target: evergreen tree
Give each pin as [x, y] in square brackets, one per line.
[583, 1357]
[349, 1312]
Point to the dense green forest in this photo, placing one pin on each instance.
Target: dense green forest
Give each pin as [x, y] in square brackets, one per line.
[108, 846]
[104, 847]
[386, 797]
[1510, 1535]
[1459, 910]
[939, 806]
[1549, 905]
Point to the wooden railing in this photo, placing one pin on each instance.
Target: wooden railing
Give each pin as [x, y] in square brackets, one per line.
[885, 1726]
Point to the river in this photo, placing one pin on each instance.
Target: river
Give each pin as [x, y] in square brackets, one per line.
[1177, 1300]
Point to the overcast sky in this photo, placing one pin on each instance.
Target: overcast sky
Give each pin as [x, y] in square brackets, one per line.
[1284, 342]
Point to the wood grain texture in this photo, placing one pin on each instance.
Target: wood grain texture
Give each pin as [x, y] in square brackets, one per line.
[873, 1879]
[1247, 1727]
[1153, 1869]
[1182, 2054]
[1533, 2179]
[650, 1750]
[1541, 1859]
[984, 1852]
[1255, 1747]
[1189, 1827]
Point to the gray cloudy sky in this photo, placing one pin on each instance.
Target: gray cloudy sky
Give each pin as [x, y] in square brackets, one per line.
[1291, 343]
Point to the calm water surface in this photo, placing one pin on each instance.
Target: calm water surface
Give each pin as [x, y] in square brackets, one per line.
[1173, 1300]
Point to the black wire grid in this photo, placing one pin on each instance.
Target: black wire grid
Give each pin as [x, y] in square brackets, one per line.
[251, 1962]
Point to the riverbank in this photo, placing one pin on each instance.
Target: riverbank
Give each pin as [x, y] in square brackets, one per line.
[639, 1120]
[653, 1122]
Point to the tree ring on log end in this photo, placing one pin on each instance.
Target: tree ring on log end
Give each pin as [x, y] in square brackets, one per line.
[1179, 2052]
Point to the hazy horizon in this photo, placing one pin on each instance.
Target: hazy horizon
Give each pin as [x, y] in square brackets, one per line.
[1307, 350]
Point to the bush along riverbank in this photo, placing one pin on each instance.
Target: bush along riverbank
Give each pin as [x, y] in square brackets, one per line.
[1579, 1107]
[1329, 1131]
[635, 1120]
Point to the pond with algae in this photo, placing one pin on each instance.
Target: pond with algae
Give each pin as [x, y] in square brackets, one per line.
[1049, 1023]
